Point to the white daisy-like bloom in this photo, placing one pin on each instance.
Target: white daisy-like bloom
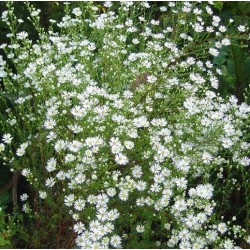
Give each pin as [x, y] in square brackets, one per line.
[77, 12]
[22, 35]
[51, 164]
[79, 227]
[141, 122]
[79, 204]
[205, 191]
[245, 161]
[129, 144]
[141, 185]
[226, 42]
[242, 28]
[111, 192]
[121, 159]
[213, 52]
[42, 194]
[123, 195]
[20, 151]
[60, 145]
[75, 146]
[151, 79]
[24, 197]
[26, 172]
[140, 228]
[7, 138]
[222, 227]
[116, 241]
[69, 200]
[50, 124]
[207, 158]
[50, 182]
[137, 171]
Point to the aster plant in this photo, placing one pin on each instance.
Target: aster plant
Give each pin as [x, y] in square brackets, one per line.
[114, 121]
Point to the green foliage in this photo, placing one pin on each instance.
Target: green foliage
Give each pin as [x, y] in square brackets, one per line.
[234, 62]
[5, 233]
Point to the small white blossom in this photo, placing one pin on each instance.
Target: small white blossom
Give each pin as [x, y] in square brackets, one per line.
[50, 182]
[7, 138]
[241, 28]
[24, 197]
[140, 228]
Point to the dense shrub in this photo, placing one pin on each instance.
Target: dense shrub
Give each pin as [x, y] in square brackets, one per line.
[115, 121]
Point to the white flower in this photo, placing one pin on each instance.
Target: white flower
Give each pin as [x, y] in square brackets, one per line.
[222, 29]
[26, 208]
[222, 227]
[50, 182]
[69, 158]
[211, 235]
[210, 29]
[75, 146]
[77, 11]
[135, 41]
[137, 172]
[181, 182]
[42, 194]
[49, 124]
[129, 144]
[141, 122]
[205, 191]
[107, 4]
[225, 42]
[123, 195]
[7, 138]
[140, 228]
[78, 112]
[180, 205]
[79, 204]
[213, 52]
[227, 143]
[113, 214]
[184, 235]
[60, 145]
[116, 241]
[145, 4]
[26, 172]
[69, 200]
[51, 164]
[151, 79]
[167, 226]
[121, 159]
[141, 185]
[248, 239]
[2, 147]
[228, 244]
[35, 12]
[241, 28]
[111, 192]
[24, 197]
[191, 220]
[79, 227]
[22, 35]
[216, 19]
[182, 165]
[245, 161]
[163, 8]
[207, 158]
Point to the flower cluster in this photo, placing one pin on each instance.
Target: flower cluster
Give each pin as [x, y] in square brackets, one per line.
[128, 126]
